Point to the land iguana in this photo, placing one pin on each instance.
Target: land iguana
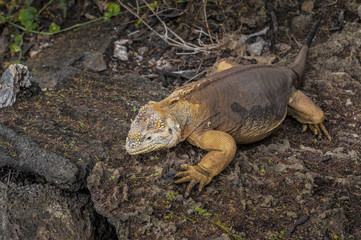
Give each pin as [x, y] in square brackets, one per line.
[240, 105]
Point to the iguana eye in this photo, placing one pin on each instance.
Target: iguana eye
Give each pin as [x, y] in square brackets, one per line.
[149, 138]
[170, 130]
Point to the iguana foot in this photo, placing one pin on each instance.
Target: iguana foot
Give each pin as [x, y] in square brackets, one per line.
[306, 112]
[194, 175]
[317, 129]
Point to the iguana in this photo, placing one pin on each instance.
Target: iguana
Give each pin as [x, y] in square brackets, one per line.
[240, 105]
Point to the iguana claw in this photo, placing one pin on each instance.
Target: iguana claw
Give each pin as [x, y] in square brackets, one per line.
[317, 129]
[193, 175]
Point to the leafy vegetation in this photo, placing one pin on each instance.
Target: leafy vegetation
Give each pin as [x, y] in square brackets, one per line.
[24, 16]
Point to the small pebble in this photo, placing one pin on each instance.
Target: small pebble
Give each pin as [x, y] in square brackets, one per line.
[348, 102]
[120, 51]
[143, 50]
[307, 6]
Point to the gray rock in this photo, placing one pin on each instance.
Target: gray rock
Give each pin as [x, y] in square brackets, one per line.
[359, 11]
[267, 201]
[313, 150]
[282, 47]
[307, 6]
[301, 22]
[334, 219]
[46, 212]
[56, 63]
[280, 168]
[33, 159]
[163, 65]
[257, 47]
[94, 61]
[15, 82]
[120, 51]
[281, 147]
[330, 58]
[143, 50]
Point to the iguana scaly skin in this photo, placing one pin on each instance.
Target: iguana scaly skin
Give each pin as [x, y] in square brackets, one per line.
[242, 104]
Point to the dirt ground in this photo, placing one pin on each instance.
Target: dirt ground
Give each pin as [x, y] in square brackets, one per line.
[290, 185]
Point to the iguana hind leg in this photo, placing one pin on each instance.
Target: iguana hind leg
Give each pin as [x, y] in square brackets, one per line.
[221, 147]
[306, 112]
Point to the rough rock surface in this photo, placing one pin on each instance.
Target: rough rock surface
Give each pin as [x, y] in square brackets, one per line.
[44, 212]
[31, 158]
[341, 51]
[51, 67]
[16, 82]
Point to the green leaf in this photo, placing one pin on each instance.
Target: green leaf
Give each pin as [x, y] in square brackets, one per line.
[19, 39]
[28, 18]
[112, 10]
[72, 143]
[18, 42]
[153, 5]
[54, 27]
[154, 174]
[15, 48]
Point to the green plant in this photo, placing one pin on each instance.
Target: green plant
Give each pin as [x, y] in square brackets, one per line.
[72, 143]
[81, 124]
[209, 217]
[171, 196]
[168, 217]
[202, 212]
[154, 174]
[26, 18]
[278, 236]
[112, 11]
[134, 109]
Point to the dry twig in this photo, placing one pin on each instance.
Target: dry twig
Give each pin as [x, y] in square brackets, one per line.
[178, 42]
[205, 19]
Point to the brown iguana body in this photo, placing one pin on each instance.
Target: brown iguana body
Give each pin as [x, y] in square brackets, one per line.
[242, 104]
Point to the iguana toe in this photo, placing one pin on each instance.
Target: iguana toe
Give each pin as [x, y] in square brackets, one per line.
[304, 127]
[317, 129]
[324, 130]
[193, 176]
[313, 128]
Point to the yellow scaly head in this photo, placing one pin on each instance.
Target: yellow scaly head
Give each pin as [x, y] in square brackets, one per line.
[151, 130]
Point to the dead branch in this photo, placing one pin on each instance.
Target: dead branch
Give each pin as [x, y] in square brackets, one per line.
[178, 41]
[205, 19]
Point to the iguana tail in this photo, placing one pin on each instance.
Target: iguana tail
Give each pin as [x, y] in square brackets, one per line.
[298, 66]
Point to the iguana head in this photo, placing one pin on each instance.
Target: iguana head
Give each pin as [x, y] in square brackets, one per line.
[152, 130]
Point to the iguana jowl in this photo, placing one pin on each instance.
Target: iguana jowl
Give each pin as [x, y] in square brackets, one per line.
[242, 104]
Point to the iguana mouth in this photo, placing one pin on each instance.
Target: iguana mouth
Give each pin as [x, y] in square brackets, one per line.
[147, 149]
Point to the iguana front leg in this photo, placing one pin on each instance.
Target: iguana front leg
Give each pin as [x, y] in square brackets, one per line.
[221, 147]
[306, 112]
